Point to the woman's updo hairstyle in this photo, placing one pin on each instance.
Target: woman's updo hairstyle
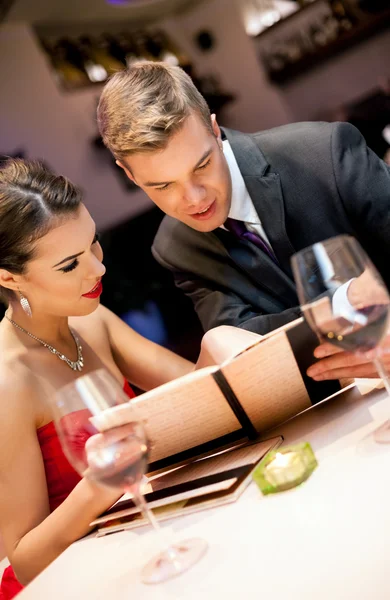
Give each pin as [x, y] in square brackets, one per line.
[33, 200]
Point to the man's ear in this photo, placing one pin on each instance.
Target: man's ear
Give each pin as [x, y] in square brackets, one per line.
[126, 170]
[8, 280]
[216, 130]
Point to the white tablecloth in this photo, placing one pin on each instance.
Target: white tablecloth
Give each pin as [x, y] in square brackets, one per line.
[329, 539]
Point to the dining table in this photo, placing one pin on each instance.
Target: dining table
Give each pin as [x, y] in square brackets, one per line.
[327, 539]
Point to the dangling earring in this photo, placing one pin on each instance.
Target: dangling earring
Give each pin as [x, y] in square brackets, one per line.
[25, 305]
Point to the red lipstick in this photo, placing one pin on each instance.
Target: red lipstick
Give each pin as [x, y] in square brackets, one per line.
[95, 292]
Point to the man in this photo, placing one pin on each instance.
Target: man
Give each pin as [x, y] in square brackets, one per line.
[289, 187]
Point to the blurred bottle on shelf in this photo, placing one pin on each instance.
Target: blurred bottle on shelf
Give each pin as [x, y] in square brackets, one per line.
[294, 48]
[342, 15]
[121, 47]
[330, 26]
[143, 47]
[113, 46]
[100, 53]
[97, 62]
[67, 62]
[324, 31]
[153, 46]
[92, 59]
[126, 42]
[274, 60]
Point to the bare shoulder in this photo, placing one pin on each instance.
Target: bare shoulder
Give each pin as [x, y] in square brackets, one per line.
[18, 394]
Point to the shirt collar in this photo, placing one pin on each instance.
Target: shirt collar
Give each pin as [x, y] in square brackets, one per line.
[241, 208]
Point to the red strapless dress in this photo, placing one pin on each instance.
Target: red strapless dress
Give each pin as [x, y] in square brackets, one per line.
[61, 479]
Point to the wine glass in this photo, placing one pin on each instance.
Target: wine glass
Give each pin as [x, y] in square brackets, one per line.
[344, 300]
[105, 441]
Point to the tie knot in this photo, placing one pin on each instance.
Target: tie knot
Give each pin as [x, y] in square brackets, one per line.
[239, 230]
[235, 227]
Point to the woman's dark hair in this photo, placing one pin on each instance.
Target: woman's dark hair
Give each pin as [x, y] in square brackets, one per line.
[32, 201]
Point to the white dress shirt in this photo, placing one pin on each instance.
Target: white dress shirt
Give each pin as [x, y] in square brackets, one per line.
[241, 208]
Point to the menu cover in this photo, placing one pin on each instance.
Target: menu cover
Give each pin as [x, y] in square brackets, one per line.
[203, 483]
[249, 394]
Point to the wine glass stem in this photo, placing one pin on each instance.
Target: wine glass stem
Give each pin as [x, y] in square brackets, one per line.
[382, 372]
[166, 548]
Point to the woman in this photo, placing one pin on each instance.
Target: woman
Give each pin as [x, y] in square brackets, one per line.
[54, 329]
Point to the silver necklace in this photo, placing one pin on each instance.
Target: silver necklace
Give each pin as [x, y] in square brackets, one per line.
[75, 365]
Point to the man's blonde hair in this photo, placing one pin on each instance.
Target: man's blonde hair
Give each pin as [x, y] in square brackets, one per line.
[143, 106]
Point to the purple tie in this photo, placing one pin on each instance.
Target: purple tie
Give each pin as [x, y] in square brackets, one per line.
[238, 229]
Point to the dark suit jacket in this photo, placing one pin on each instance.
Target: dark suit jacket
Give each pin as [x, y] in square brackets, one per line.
[308, 182]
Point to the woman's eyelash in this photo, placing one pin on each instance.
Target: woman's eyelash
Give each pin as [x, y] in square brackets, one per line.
[75, 263]
[70, 267]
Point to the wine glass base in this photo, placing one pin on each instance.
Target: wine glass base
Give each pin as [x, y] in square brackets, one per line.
[174, 561]
[382, 434]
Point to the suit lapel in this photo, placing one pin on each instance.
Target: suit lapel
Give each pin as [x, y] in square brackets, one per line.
[266, 194]
[265, 191]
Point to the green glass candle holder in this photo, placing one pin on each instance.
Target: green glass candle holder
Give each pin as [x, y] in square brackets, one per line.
[285, 468]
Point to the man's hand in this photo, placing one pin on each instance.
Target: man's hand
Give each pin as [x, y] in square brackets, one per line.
[337, 364]
[363, 291]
